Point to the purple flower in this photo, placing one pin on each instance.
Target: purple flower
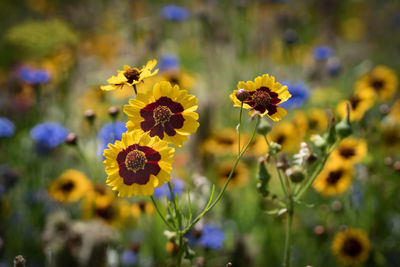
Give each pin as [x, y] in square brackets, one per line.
[322, 52]
[33, 76]
[169, 61]
[177, 187]
[48, 135]
[7, 128]
[175, 13]
[110, 133]
[300, 94]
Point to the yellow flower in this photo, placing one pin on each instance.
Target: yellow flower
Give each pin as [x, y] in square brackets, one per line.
[257, 148]
[359, 103]
[240, 176]
[382, 81]
[351, 247]
[315, 121]
[335, 178]
[115, 212]
[286, 135]
[395, 111]
[166, 112]
[350, 150]
[137, 164]
[130, 76]
[265, 96]
[141, 207]
[71, 186]
[221, 142]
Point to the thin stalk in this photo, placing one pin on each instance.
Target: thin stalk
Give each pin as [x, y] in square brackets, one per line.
[288, 235]
[179, 228]
[240, 125]
[160, 214]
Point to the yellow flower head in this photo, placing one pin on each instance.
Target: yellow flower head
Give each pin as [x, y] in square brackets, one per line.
[286, 135]
[351, 247]
[265, 96]
[335, 178]
[240, 176]
[221, 142]
[350, 150]
[166, 112]
[71, 186]
[137, 164]
[130, 76]
[141, 207]
[359, 103]
[315, 121]
[382, 81]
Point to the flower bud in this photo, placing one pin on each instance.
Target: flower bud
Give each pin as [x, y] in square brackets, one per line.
[295, 173]
[113, 112]
[318, 141]
[343, 128]
[242, 94]
[331, 135]
[90, 115]
[274, 148]
[264, 127]
[71, 139]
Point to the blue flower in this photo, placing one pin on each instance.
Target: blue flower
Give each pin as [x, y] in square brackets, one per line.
[7, 127]
[322, 52]
[175, 13]
[33, 76]
[110, 133]
[129, 257]
[177, 187]
[48, 135]
[212, 237]
[300, 94]
[169, 61]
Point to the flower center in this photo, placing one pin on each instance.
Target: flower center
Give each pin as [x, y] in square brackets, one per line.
[67, 187]
[352, 247]
[132, 75]
[162, 114]
[354, 101]
[347, 152]
[377, 84]
[261, 98]
[135, 160]
[334, 177]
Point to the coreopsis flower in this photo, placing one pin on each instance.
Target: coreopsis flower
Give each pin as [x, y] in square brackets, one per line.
[286, 135]
[350, 150]
[130, 76]
[264, 96]
[137, 164]
[314, 121]
[351, 247]
[71, 186]
[240, 176]
[221, 142]
[335, 178]
[166, 112]
[382, 81]
[359, 104]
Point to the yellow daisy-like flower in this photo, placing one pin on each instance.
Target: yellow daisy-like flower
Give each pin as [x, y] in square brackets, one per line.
[71, 186]
[286, 135]
[130, 76]
[221, 142]
[166, 112]
[264, 96]
[359, 103]
[141, 207]
[115, 212]
[382, 81]
[351, 247]
[335, 178]
[240, 176]
[137, 164]
[315, 121]
[350, 150]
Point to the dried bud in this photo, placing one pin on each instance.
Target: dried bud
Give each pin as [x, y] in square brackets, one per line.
[71, 139]
[113, 112]
[295, 174]
[319, 230]
[396, 166]
[19, 261]
[229, 264]
[336, 205]
[242, 94]
[388, 161]
[264, 127]
[384, 109]
[290, 36]
[283, 162]
[90, 115]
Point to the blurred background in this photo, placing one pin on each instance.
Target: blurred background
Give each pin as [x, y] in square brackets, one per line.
[55, 208]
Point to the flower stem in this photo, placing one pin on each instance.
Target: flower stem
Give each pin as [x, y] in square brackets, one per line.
[179, 228]
[288, 235]
[159, 213]
[240, 125]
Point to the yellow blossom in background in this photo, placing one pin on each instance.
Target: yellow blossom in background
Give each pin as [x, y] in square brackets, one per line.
[130, 76]
[141, 207]
[382, 81]
[137, 164]
[351, 247]
[312, 122]
[359, 103]
[286, 135]
[221, 142]
[240, 176]
[166, 112]
[335, 178]
[350, 150]
[70, 186]
[395, 111]
[265, 96]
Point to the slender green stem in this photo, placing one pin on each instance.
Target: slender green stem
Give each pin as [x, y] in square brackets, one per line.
[179, 228]
[239, 156]
[240, 125]
[134, 88]
[160, 214]
[288, 236]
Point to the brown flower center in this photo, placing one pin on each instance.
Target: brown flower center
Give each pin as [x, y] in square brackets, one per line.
[135, 160]
[354, 101]
[281, 139]
[377, 84]
[352, 247]
[162, 114]
[334, 177]
[347, 152]
[67, 187]
[261, 98]
[132, 75]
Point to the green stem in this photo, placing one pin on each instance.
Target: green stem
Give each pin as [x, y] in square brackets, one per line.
[288, 235]
[179, 228]
[239, 156]
[134, 88]
[240, 125]
[160, 214]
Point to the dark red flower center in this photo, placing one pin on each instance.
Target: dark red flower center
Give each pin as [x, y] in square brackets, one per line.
[347, 152]
[135, 160]
[136, 164]
[354, 101]
[162, 116]
[334, 177]
[352, 247]
[263, 99]
[377, 84]
[132, 75]
[67, 186]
